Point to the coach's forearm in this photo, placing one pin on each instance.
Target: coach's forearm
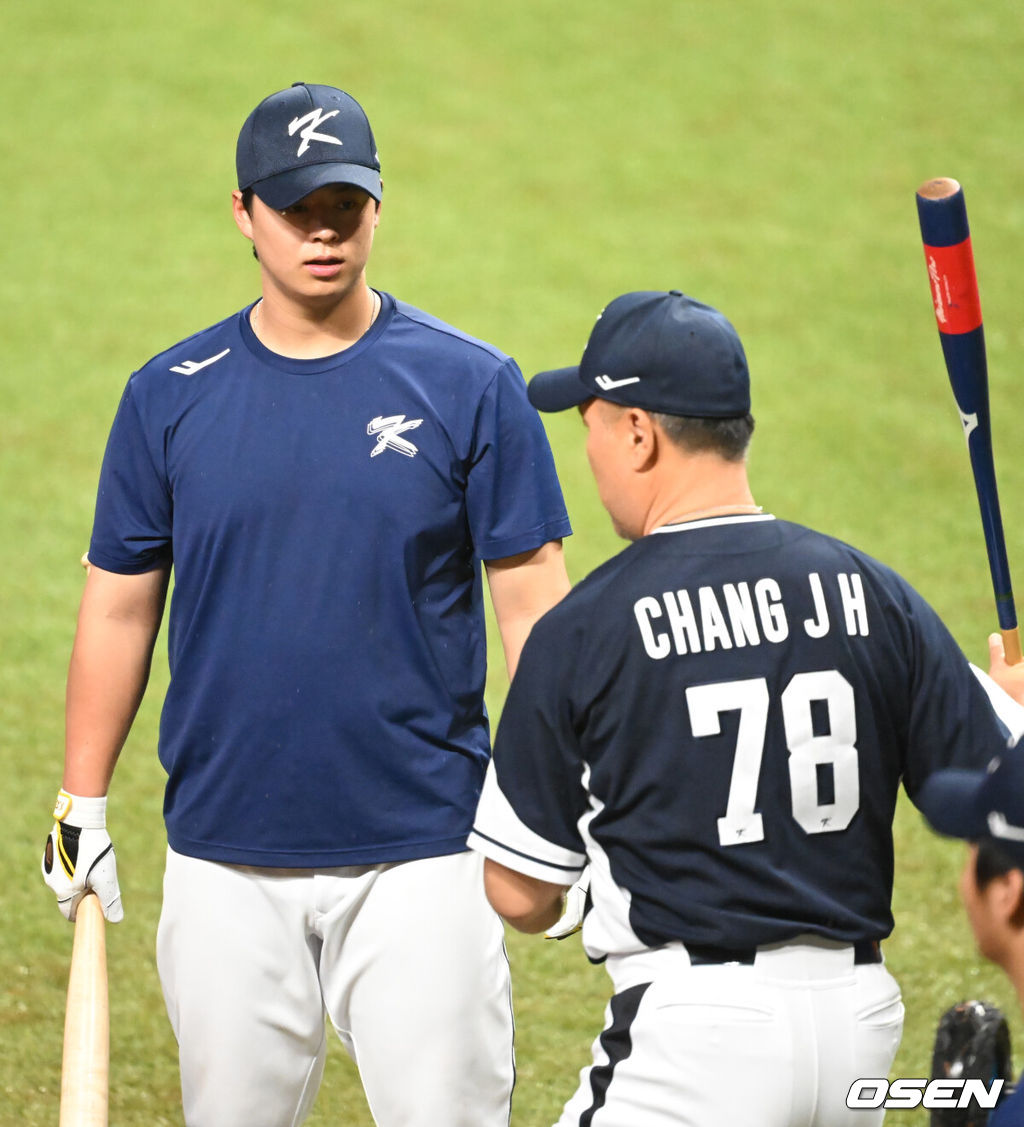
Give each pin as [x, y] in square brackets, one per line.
[118, 622]
[526, 903]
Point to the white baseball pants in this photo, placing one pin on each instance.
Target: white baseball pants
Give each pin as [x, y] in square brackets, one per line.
[407, 960]
[773, 1044]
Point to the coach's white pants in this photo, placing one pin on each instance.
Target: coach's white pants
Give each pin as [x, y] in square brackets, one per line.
[407, 960]
[775, 1044]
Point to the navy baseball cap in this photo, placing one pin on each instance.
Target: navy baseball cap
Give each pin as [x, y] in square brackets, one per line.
[661, 351]
[303, 138]
[984, 805]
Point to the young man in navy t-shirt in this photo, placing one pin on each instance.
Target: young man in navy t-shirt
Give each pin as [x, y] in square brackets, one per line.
[324, 471]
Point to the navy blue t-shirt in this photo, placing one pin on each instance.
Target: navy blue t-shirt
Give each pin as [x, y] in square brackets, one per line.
[718, 719]
[1010, 1111]
[326, 520]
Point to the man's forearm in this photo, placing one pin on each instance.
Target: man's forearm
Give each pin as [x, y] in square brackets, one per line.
[522, 589]
[528, 904]
[108, 672]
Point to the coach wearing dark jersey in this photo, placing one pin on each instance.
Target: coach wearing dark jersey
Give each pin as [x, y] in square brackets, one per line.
[717, 722]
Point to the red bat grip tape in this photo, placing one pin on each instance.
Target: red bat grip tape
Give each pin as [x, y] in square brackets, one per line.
[954, 287]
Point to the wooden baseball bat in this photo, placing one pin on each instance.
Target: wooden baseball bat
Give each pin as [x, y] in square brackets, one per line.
[950, 258]
[85, 1070]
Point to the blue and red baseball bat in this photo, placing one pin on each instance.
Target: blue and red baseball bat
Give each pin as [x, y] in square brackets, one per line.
[954, 284]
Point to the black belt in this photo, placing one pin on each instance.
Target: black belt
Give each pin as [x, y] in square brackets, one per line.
[865, 951]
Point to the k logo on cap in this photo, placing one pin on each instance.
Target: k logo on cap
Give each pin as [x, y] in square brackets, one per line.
[336, 145]
[311, 121]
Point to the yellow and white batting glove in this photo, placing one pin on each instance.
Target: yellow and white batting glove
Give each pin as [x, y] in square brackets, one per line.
[79, 855]
[573, 910]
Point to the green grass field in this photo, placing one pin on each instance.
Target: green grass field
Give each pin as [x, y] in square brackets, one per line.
[539, 159]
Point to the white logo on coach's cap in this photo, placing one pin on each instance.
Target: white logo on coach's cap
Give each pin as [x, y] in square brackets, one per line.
[999, 827]
[314, 118]
[606, 383]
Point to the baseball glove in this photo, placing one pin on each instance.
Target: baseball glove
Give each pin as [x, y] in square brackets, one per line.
[972, 1042]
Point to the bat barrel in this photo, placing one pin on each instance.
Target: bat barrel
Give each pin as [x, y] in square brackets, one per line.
[85, 1070]
[946, 236]
[942, 212]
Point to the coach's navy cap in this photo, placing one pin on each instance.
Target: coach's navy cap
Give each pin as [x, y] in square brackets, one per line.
[661, 351]
[303, 138]
[984, 805]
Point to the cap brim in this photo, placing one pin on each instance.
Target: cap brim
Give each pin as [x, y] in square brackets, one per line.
[287, 188]
[558, 390]
[951, 801]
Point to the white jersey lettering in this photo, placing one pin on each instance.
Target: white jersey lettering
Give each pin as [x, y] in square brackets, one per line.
[773, 614]
[818, 626]
[656, 645]
[717, 618]
[712, 621]
[855, 609]
[683, 622]
[742, 615]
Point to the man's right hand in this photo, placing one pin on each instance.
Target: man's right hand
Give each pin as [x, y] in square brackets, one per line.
[79, 855]
[1010, 678]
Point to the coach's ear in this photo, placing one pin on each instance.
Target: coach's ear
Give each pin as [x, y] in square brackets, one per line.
[643, 438]
[1003, 894]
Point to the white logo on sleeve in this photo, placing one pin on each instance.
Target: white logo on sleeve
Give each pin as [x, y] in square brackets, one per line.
[389, 430]
[606, 383]
[190, 367]
[311, 121]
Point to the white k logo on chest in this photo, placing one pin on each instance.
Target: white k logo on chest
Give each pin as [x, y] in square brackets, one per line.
[388, 430]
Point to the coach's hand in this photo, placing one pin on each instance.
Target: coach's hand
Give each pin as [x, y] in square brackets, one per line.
[79, 855]
[1010, 678]
[573, 910]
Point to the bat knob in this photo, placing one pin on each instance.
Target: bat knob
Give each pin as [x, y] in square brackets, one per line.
[941, 188]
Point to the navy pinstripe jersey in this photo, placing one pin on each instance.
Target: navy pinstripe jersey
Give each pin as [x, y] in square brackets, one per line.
[718, 719]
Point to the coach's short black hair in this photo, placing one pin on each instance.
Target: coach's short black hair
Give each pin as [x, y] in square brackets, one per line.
[728, 438]
[991, 862]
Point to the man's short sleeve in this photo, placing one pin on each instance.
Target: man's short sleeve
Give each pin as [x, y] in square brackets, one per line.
[953, 719]
[534, 797]
[133, 523]
[513, 497]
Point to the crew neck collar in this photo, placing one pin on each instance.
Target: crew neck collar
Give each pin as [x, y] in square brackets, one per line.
[316, 364]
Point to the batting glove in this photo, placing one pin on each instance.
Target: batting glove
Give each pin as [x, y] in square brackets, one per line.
[573, 911]
[79, 855]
